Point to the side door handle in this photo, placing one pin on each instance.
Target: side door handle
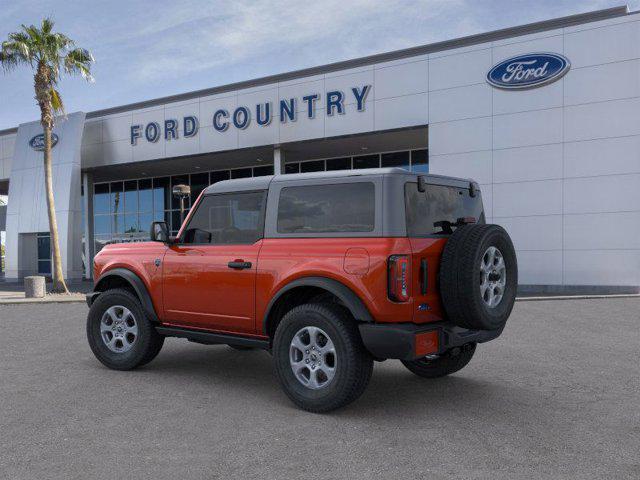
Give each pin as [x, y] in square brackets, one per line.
[239, 265]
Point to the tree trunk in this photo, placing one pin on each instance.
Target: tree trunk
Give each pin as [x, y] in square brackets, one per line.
[59, 285]
[42, 85]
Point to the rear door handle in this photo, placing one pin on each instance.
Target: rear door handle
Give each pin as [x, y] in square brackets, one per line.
[239, 265]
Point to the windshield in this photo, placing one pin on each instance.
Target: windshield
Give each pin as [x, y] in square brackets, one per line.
[436, 210]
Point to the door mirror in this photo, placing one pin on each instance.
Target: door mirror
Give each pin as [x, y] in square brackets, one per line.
[159, 232]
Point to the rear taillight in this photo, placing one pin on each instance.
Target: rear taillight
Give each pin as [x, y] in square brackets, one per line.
[399, 275]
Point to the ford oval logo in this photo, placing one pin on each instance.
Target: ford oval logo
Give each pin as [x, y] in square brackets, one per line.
[528, 71]
[37, 142]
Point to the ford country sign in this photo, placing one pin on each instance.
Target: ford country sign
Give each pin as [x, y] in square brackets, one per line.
[528, 71]
[37, 142]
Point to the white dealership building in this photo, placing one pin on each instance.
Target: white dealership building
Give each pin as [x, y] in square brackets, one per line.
[545, 117]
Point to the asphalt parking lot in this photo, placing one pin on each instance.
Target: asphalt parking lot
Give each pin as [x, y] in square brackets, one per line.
[557, 397]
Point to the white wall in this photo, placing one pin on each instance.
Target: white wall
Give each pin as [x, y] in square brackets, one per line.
[27, 208]
[7, 143]
[559, 165]
[398, 98]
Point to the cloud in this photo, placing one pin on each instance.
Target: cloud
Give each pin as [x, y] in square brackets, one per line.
[198, 39]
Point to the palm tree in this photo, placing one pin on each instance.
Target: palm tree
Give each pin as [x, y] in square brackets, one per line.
[47, 53]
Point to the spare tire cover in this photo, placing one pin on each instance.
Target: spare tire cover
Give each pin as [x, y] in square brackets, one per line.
[479, 277]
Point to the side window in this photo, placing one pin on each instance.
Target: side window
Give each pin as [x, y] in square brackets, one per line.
[338, 208]
[227, 219]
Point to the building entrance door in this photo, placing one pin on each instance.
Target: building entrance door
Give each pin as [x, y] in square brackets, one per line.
[44, 253]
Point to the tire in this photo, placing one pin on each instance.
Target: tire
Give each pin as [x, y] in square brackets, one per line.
[479, 277]
[127, 350]
[446, 364]
[335, 330]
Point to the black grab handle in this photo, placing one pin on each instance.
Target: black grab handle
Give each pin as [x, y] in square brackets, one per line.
[239, 265]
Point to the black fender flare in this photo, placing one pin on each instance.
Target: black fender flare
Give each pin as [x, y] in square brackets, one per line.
[136, 283]
[344, 293]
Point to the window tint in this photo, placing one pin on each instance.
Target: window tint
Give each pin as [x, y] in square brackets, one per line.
[227, 219]
[347, 207]
[438, 203]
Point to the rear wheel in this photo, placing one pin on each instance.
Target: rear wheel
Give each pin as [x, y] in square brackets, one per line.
[434, 366]
[119, 332]
[319, 357]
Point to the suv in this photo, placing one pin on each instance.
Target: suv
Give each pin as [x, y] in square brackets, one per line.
[327, 271]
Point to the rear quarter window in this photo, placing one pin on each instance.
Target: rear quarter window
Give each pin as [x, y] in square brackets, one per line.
[437, 204]
[338, 208]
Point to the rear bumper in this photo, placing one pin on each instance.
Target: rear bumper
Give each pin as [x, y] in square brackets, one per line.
[399, 340]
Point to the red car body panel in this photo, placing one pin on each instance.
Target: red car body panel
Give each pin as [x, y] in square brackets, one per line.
[193, 286]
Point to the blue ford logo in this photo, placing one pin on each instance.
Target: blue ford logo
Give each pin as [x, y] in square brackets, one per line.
[528, 71]
[37, 142]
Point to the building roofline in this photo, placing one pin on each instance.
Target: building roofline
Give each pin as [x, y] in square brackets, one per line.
[469, 40]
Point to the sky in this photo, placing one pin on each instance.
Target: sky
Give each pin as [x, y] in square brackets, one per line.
[149, 49]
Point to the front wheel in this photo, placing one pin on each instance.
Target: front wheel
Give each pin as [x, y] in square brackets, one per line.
[441, 365]
[319, 357]
[119, 332]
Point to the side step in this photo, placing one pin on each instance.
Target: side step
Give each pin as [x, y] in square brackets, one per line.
[209, 338]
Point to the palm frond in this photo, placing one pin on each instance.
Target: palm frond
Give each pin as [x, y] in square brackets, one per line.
[56, 101]
[79, 60]
[47, 25]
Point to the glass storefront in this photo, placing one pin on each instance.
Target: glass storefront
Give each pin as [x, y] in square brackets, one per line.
[123, 210]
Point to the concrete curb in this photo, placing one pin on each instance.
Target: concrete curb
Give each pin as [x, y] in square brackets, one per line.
[73, 298]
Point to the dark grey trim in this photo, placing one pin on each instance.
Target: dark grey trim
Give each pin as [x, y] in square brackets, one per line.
[137, 284]
[397, 340]
[377, 58]
[212, 338]
[344, 293]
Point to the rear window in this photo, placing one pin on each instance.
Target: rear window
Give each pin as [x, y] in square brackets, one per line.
[425, 210]
[339, 208]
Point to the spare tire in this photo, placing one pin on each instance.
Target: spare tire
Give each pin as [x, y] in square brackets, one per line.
[478, 277]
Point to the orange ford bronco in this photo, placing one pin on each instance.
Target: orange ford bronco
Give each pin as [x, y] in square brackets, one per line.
[326, 271]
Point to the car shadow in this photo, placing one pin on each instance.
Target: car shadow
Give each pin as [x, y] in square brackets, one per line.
[392, 388]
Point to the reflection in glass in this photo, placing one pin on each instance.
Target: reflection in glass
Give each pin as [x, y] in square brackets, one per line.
[101, 198]
[161, 194]
[366, 161]
[117, 224]
[117, 190]
[263, 170]
[145, 195]
[292, 168]
[218, 176]
[102, 224]
[396, 159]
[145, 223]
[131, 196]
[241, 173]
[131, 223]
[420, 161]
[314, 166]
[339, 164]
[199, 182]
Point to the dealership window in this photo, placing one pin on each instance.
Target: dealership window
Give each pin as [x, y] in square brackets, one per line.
[413, 160]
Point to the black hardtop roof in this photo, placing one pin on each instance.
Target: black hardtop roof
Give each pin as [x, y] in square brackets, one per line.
[262, 183]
